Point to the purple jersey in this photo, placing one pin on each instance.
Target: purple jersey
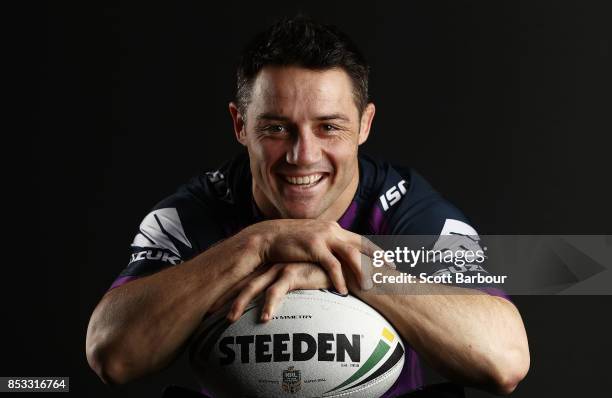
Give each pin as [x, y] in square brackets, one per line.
[211, 207]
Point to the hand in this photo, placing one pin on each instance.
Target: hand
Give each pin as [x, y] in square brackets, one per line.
[237, 288]
[315, 241]
[278, 280]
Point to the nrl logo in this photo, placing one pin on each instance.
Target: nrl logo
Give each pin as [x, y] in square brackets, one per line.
[292, 380]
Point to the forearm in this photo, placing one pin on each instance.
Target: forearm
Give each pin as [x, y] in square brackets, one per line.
[468, 336]
[140, 327]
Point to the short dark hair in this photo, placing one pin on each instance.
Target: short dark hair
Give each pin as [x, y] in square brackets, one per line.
[300, 41]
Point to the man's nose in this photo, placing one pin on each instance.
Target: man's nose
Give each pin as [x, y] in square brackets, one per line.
[305, 149]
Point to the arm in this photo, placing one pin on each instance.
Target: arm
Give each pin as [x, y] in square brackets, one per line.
[468, 336]
[141, 327]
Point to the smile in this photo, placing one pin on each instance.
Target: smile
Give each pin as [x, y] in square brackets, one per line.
[303, 180]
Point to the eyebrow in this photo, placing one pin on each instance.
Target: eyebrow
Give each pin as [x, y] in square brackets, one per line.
[271, 116]
[333, 116]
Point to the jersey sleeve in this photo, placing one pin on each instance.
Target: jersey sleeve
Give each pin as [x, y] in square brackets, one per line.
[444, 228]
[175, 230]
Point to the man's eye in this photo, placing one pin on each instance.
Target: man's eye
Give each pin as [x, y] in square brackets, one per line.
[275, 128]
[329, 127]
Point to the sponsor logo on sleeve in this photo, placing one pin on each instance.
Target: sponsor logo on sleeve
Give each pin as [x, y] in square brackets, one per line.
[155, 254]
[161, 237]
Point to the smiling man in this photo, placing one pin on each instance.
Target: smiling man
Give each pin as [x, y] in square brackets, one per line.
[291, 214]
[304, 131]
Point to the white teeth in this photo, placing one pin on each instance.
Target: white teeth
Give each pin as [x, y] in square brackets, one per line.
[306, 180]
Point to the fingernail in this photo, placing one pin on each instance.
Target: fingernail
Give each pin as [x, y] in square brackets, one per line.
[337, 292]
[265, 317]
[230, 316]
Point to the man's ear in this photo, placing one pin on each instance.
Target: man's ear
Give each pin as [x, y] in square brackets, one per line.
[239, 125]
[366, 122]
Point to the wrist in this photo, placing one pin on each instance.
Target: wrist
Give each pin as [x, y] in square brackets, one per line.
[228, 261]
[252, 243]
[258, 238]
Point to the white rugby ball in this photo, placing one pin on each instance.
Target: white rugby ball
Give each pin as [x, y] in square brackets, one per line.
[319, 344]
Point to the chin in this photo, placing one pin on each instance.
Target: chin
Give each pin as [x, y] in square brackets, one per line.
[302, 213]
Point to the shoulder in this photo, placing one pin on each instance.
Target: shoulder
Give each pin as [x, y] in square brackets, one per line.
[225, 185]
[404, 202]
[196, 216]
[199, 213]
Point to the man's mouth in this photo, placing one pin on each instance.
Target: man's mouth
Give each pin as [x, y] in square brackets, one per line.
[303, 180]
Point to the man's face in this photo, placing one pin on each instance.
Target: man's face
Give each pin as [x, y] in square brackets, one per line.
[302, 131]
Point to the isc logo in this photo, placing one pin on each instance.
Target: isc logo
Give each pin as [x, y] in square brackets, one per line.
[393, 195]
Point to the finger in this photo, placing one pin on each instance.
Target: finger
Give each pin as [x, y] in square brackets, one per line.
[293, 276]
[369, 248]
[225, 297]
[367, 270]
[305, 275]
[365, 245]
[352, 258]
[311, 276]
[334, 269]
[274, 296]
[252, 290]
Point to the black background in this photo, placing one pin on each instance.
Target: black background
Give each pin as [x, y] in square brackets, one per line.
[503, 106]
